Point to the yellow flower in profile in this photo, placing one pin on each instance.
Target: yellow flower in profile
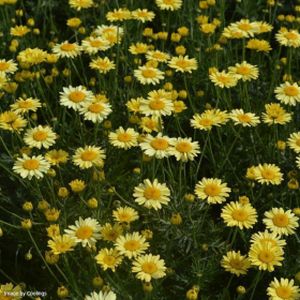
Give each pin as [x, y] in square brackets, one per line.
[267, 237]
[32, 56]
[239, 117]
[152, 194]
[288, 38]
[10, 120]
[184, 149]
[102, 65]
[125, 214]
[8, 289]
[148, 75]
[85, 231]
[138, 48]
[22, 106]
[40, 137]
[266, 256]
[247, 28]
[259, 45]
[60, 244]
[66, 49]
[29, 167]
[109, 259]
[111, 233]
[245, 71]
[53, 230]
[288, 93]
[19, 30]
[89, 156]
[156, 55]
[212, 190]
[224, 79]
[235, 263]
[56, 157]
[294, 141]
[120, 14]
[149, 267]
[240, 215]
[158, 146]
[268, 174]
[131, 245]
[150, 124]
[183, 64]
[169, 4]
[280, 221]
[275, 114]
[80, 4]
[124, 139]
[77, 185]
[284, 289]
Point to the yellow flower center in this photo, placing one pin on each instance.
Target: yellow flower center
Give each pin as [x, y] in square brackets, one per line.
[281, 220]
[236, 264]
[132, 245]
[124, 217]
[31, 164]
[182, 64]
[224, 79]
[205, 122]
[152, 193]
[102, 64]
[148, 73]
[109, 260]
[291, 35]
[2, 297]
[268, 174]
[245, 26]
[283, 292]
[96, 43]
[149, 267]
[298, 142]
[96, 108]
[62, 247]
[184, 147]
[4, 66]
[243, 70]
[291, 91]
[84, 232]
[40, 136]
[77, 96]
[159, 144]
[265, 256]
[88, 155]
[244, 118]
[157, 104]
[67, 47]
[239, 215]
[212, 189]
[124, 137]
[25, 104]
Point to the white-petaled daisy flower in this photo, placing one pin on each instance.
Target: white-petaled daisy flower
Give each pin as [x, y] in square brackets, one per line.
[152, 194]
[89, 156]
[131, 245]
[124, 138]
[66, 49]
[148, 75]
[149, 266]
[74, 97]
[158, 146]
[239, 117]
[158, 103]
[22, 106]
[93, 45]
[288, 93]
[85, 231]
[95, 111]
[40, 137]
[183, 64]
[8, 66]
[101, 296]
[169, 4]
[102, 65]
[184, 149]
[29, 167]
